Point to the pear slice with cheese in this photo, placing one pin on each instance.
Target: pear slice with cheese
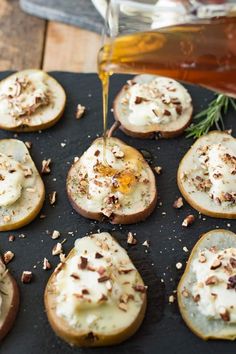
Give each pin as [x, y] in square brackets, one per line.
[207, 290]
[30, 100]
[118, 185]
[150, 104]
[9, 300]
[21, 187]
[96, 297]
[207, 175]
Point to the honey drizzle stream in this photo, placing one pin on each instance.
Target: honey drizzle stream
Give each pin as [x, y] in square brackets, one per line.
[105, 76]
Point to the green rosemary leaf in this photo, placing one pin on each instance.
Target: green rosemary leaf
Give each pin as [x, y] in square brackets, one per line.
[212, 115]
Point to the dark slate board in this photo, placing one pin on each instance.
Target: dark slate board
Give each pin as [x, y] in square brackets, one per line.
[80, 13]
[163, 330]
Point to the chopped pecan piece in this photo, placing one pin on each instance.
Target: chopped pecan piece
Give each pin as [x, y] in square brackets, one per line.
[131, 240]
[57, 249]
[189, 220]
[196, 298]
[8, 256]
[216, 264]
[46, 264]
[231, 282]
[83, 263]
[232, 262]
[225, 315]
[80, 111]
[212, 280]
[52, 197]
[26, 277]
[103, 278]
[140, 288]
[46, 167]
[178, 203]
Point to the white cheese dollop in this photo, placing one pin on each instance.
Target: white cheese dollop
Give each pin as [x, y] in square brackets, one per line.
[92, 293]
[220, 172]
[156, 106]
[24, 92]
[217, 298]
[11, 180]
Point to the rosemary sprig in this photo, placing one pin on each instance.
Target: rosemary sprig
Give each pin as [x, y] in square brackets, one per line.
[212, 115]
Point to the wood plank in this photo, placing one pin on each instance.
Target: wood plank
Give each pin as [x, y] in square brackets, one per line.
[21, 38]
[70, 48]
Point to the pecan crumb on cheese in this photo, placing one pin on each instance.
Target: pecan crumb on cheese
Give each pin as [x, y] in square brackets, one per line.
[215, 286]
[215, 173]
[160, 101]
[22, 96]
[98, 287]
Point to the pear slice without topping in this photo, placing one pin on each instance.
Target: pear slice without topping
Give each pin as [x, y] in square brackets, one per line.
[123, 188]
[40, 118]
[9, 295]
[169, 129]
[200, 199]
[88, 308]
[201, 325]
[31, 199]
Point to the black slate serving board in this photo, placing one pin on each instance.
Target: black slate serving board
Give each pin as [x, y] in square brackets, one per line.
[80, 13]
[163, 331]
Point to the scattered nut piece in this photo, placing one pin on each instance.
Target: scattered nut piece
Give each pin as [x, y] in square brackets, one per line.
[179, 265]
[46, 264]
[28, 144]
[76, 158]
[178, 203]
[158, 170]
[202, 258]
[57, 249]
[185, 293]
[11, 238]
[117, 152]
[8, 256]
[224, 314]
[26, 277]
[55, 234]
[52, 197]
[62, 257]
[212, 280]
[6, 218]
[80, 111]
[131, 240]
[185, 249]
[146, 243]
[196, 298]
[46, 167]
[189, 220]
[42, 216]
[216, 264]
[123, 306]
[171, 299]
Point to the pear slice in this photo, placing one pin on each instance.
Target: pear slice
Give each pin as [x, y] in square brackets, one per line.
[97, 297]
[9, 300]
[150, 104]
[22, 190]
[30, 100]
[207, 327]
[122, 189]
[207, 175]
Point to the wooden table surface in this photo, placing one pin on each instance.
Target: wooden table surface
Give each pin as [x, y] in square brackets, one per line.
[30, 42]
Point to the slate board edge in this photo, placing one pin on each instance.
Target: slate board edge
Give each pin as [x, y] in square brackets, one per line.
[55, 14]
